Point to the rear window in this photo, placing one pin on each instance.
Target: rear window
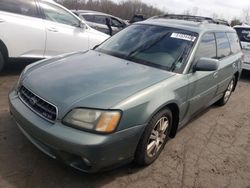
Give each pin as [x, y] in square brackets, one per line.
[89, 18]
[23, 7]
[100, 19]
[234, 42]
[244, 34]
[223, 46]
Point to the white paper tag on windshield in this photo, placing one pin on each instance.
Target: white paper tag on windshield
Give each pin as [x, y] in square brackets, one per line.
[183, 36]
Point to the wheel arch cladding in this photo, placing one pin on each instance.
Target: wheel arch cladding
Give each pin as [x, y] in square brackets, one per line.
[236, 75]
[173, 107]
[4, 50]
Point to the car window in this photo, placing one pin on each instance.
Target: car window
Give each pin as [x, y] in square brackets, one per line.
[115, 22]
[56, 14]
[207, 47]
[23, 7]
[244, 34]
[234, 42]
[223, 46]
[157, 46]
[100, 19]
[89, 18]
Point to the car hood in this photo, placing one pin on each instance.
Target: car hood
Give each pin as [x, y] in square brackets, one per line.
[90, 79]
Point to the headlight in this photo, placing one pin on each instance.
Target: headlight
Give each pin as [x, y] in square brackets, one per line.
[96, 120]
[21, 78]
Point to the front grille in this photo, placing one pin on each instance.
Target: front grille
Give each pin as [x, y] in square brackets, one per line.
[38, 105]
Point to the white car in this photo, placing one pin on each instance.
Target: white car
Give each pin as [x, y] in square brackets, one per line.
[37, 29]
[243, 32]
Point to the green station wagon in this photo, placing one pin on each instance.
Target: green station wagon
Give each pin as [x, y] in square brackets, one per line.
[123, 100]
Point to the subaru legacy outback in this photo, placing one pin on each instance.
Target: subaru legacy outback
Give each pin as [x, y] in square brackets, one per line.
[123, 100]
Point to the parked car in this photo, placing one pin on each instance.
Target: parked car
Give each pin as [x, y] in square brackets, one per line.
[126, 98]
[102, 22]
[244, 35]
[41, 29]
[137, 18]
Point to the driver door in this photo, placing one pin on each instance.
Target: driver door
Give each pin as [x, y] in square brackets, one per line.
[203, 85]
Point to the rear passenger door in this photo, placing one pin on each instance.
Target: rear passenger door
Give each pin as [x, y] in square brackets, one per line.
[227, 55]
[22, 29]
[202, 84]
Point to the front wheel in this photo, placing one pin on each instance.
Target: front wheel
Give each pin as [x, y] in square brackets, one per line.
[227, 93]
[154, 138]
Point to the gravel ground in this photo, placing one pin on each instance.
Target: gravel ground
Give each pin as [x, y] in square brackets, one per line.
[211, 151]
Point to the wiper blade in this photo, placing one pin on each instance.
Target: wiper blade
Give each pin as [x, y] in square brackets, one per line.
[183, 52]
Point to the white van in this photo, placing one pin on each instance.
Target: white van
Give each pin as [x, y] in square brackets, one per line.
[37, 29]
[243, 32]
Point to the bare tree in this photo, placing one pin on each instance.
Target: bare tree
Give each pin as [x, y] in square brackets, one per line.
[246, 15]
[125, 9]
[235, 21]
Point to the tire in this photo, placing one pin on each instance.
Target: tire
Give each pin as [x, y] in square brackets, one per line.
[227, 93]
[2, 62]
[154, 138]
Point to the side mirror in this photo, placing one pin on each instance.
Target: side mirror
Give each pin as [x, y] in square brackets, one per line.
[206, 64]
[96, 46]
[82, 25]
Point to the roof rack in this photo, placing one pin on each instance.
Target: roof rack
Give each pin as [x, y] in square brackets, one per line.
[222, 22]
[192, 18]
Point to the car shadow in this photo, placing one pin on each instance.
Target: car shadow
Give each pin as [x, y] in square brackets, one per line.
[12, 69]
[245, 76]
[26, 166]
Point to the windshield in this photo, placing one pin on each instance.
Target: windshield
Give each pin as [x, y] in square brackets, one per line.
[161, 47]
[244, 34]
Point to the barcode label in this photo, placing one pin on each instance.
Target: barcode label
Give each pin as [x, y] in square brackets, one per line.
[183, 36]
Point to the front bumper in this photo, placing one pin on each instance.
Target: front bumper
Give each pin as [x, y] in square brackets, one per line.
[84, 151]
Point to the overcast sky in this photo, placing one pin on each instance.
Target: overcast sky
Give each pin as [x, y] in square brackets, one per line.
[224, 8]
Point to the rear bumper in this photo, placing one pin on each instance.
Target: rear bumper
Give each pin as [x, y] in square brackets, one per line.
[84, 151]
[246, 65]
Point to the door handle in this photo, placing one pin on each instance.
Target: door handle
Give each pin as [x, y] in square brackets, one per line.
[52, 29]
[234, 65]
[1, 20]
[215, 75]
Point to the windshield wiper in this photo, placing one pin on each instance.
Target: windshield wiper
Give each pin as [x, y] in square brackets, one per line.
[180, 57]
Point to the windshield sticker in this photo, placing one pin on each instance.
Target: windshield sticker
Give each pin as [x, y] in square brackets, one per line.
[183, 36]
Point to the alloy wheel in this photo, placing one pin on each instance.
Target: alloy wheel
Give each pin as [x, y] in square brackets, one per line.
[158, 136]
[229, 91]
